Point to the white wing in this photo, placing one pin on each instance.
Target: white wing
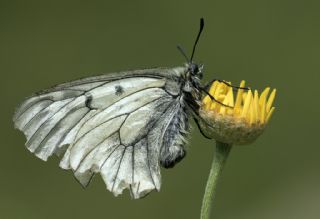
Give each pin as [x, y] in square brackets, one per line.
[120, 125]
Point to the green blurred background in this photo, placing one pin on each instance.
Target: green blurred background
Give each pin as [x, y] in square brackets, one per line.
[268, 43]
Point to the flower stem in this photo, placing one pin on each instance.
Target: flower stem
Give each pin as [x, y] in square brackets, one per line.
[219, 158]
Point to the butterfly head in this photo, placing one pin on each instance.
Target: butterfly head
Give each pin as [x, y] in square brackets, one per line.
[195, 70]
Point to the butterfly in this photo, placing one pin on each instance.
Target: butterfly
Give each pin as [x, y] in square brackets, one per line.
[123, 125]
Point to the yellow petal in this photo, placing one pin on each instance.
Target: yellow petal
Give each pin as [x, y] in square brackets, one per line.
[244, 96]
[250, 115]
[255, 107]
[270, 100]
[270, 114]
[216, 94]
[230, 101]
[237, 106]
[227, 101]
[206, 102]
[213, 88]
[213, 105]
[246, 103]
[219, 89]
[263, 96]
[221, 97]
[263, 109]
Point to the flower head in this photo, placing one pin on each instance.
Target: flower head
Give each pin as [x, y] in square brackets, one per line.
[245, 118]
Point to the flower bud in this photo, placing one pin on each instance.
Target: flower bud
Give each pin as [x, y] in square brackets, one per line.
[236, 119]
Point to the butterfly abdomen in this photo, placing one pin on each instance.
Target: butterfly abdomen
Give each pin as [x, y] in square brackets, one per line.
[174, 139]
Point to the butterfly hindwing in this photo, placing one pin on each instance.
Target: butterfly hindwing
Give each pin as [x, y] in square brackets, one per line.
[119, 125]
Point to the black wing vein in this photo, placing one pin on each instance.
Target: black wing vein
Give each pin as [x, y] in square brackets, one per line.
[43, 124]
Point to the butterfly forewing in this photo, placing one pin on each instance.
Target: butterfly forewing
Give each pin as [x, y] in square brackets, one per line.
[119, 125]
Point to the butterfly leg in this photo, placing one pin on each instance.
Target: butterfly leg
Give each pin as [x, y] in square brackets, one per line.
[200, 129]
[208, 85]
[212, 97]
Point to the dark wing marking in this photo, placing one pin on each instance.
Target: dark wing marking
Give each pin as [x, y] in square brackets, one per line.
[121, 135]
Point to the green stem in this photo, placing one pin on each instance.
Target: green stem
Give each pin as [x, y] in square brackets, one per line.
[219, 158]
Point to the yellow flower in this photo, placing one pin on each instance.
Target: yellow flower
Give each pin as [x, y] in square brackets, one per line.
[243, 121]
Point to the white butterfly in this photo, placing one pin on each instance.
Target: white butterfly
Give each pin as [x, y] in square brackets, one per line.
[122, 125]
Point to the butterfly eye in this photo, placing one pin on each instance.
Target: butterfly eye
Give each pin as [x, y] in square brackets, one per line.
[200, 75]
[196, 69]
[193, 69]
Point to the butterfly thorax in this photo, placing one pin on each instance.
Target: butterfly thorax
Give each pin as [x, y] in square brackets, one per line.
[192, 78]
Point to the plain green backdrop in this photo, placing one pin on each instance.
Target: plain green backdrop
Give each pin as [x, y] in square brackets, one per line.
[267, 42]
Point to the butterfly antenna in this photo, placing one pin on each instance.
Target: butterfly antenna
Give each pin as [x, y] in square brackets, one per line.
[183, 53]
[197, 39]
